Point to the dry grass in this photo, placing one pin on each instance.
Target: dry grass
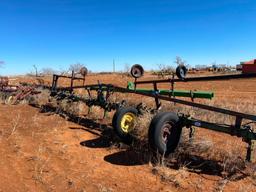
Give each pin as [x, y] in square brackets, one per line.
[142, 125]
[200, 154]
[15, 124]
[173, 176]
[103, 188]
[4, 97]
[41, 166]
[39, 99]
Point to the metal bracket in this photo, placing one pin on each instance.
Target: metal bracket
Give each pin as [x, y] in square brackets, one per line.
[157, 101]
[191, 134]
[250, 156]
[237, 127]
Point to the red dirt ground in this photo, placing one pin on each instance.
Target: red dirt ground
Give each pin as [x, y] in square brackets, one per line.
[45, 152]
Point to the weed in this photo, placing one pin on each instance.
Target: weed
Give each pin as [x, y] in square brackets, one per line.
[104, 188]
[15, 123]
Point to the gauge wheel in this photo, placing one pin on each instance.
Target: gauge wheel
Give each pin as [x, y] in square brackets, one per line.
[181, 71]
[164, 133]
[137, 71]
[124, 122]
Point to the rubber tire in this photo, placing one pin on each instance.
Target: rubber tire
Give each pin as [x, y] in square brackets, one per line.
[83, 71]
[181, 71]
[116, 123]
[155, 133]
[137, 68]
[11, 100]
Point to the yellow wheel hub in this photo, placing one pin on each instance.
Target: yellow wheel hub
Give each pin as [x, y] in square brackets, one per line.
[128, 122]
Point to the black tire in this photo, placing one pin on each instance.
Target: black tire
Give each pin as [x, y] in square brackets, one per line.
[137, 71]
[181, 71]
[117, 120]
[162, 140]
[83, 71]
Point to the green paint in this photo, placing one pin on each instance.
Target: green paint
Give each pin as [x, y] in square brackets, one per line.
[176, 93]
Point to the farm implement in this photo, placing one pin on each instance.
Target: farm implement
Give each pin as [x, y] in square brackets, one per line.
[166, 127]
[13, 94]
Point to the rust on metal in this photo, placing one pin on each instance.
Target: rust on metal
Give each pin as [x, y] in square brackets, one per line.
[23, 92]
[4, 81]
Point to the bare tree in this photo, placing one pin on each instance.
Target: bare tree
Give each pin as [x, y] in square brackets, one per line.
[161, 67]
[164, 70]
[76, 67]
[127, 68]
[47, 71]
[179, 61]
[62, 71]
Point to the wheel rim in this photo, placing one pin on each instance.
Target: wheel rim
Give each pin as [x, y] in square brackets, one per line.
[182, 73]
[10, 100]
[128, 122]
[166, 131]
[137, 71]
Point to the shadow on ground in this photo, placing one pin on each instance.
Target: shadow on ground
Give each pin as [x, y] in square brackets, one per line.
[100, 142]
[126, 158]
[197, 164]
[138, 153]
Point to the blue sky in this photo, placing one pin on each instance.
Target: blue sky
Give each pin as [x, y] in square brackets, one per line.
[57, 33]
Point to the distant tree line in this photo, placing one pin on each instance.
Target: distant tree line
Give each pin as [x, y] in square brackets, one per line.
[50, 71]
